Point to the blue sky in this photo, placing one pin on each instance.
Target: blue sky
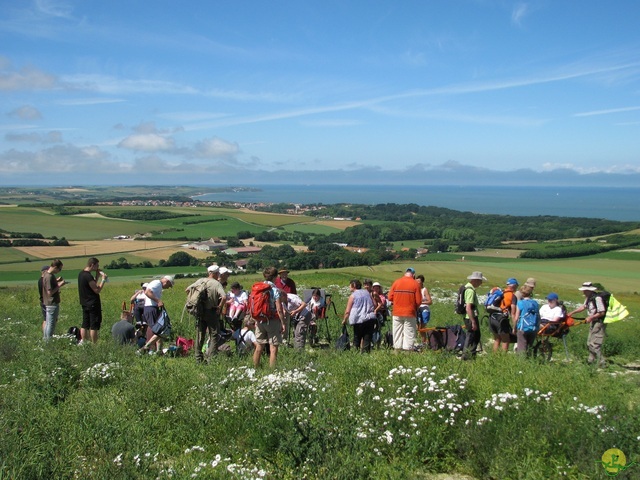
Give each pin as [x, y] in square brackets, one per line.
[235, 92]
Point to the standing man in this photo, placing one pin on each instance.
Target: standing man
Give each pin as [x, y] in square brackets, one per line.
[224, 276]
[597, 310]
[51, 297]
[40, 290]
[270, 331]
[406, 295]
[284, 283]
[209, 321]
[152, 306]
[471, 320]
[89, 288]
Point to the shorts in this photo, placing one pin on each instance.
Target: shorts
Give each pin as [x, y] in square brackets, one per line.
[499, 324]
[269, 332]
[92, 317]
[424, 315]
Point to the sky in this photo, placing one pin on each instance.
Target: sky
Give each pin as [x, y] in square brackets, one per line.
[227, 92]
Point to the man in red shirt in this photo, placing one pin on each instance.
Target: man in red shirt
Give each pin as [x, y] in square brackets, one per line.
[406, 297]
[284, 283]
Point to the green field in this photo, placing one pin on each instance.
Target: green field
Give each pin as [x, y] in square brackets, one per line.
[126, 416]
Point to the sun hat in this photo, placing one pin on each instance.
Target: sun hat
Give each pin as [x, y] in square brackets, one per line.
[588, 286]
[213, 268]
[376, 284]
[531, 282]
[512, 281]
[552, 296]
[477, 276]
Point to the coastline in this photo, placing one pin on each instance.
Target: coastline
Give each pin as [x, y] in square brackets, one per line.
[606, 202]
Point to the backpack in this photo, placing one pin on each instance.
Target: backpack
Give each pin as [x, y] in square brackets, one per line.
[494, 300]
[615, 311]
[260, 306]
[529, 316]
[461, 306]
[197, 298]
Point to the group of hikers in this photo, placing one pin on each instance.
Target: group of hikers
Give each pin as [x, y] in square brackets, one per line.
[259, 319]
[514, 316]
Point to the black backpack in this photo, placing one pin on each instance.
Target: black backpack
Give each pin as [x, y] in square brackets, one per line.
[343, 342]
[461, 306]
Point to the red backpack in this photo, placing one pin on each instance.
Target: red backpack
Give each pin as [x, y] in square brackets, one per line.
[260, 305]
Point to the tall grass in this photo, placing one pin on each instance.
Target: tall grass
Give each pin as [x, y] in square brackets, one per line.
[101, 411]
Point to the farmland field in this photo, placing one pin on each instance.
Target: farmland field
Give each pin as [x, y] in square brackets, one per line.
[320, 412]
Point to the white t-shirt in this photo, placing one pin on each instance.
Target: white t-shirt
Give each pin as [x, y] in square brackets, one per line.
[156, 287]
[239, 299]
[294, 302]
[248, 337]
[551, 314]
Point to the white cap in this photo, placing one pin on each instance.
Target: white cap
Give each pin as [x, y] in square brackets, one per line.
[376, 284]
[224, 270]
[213, 268]
[169, 278]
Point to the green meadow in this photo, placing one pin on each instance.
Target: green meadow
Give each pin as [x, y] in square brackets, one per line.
[103, 411]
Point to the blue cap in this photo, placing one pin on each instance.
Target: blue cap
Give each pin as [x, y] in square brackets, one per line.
[410, 269]
[512, 281]
[552, 296]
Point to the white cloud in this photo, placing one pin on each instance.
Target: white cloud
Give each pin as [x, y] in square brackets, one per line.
[34, 137]
[609, 169]
[88, 101]
[216, 148]
[606, 112]
[27, 78]
[147, 142]
[519, 12]
[26, 112]
[59, 159]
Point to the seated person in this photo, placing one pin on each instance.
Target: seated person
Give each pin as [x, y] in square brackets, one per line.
[316, 304]
[552, 312]
[237, 300]
[246, 337]
[123, 332]
[141, 333]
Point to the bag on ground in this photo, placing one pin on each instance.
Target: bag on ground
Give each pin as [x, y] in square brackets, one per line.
[455, 338]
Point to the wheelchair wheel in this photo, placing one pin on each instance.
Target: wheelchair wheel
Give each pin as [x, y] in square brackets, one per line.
[543, 349]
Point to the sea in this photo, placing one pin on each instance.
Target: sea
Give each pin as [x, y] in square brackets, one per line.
[591, 202]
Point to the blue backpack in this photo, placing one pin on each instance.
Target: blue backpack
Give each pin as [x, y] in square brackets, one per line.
[529, 319]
